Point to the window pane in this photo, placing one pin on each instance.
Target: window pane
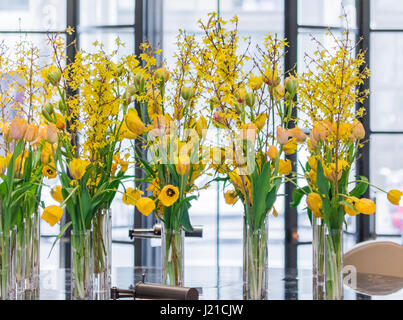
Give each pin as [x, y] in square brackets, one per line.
[108, 39]
[106, 12]
[386, 82]
[33, 15]
[386, 14]
[326, 12]
[387, 173]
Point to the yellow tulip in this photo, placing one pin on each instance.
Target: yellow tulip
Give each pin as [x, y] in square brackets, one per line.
[3, 165]
[56, 193]
[145, 206]
[125, 133]
[271, 77]
[168, 195]
[6, 131]
[230, 197]
[182, 164]
[201, 126]
[134, 123]
[298, 134]
[240, 95]
[249, 132]
[52, 215]
[60, 122]
[261, 120]
[49, 171]
[162, 74]
[272, 153]
[255, 82]
[394, 196]
[284, 167]
[131, 196]
[32, 133]
[349, 210]
[77, 168]
[365, 206]
[52, 133]
[291, 146]
[282, 135]
[313, 162]
[315, 204]
[18, 127]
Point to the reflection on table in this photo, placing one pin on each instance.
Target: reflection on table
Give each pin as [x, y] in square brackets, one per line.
[225, 283]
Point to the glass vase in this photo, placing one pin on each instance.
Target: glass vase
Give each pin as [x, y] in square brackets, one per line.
[32, 234]
[318, 258]
[81, 269]
[334, 263]
[19, 252]
[7, 265]
[101, 238]
[256, 261]
[172, 249]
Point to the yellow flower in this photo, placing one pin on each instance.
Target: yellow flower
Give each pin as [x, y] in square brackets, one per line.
[125, 133]
[182, 164]
[315, 204]
[168, 195]
[6, 131]
[312, 177]
[77, 168]
[255, 82]
[60, 122]
[284, 167]
[298, 134]
[249, 132]
[313, 162]
[394, 196]
[18, 127]
[32, 132]
[291, 146]
[261, 120]
[274, 211]
[349, 210]
[56, 193]
[145, 206]
[3, 165]
[201, 126]
[131, 196]
[272, 153]
[365, 206]
[49, 171]
[230, 197]
[134, 123]
[154, 187]
[52, 215]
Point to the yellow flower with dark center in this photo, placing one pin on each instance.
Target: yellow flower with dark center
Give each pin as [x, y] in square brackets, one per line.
[77, 168]
[145, 206]
[230, 197]
[49, 171]
[52, 215]
[394, 196]
[56, 193]
[284, 167]
[315, 204]
[291, 146]
[365, 206]
[131, 196]
[168, 195]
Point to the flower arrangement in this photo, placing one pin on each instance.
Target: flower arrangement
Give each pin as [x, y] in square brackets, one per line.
[170, 126]
[22, 168]
[328, 93]
[255, 111]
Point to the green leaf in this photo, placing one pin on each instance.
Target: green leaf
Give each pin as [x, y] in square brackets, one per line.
[298, 194]
[61, 233]
[360, 188]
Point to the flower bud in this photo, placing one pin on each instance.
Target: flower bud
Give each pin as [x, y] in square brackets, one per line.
[162, 74]
[201, 126]
[240, 95]
[48, 112]
[250, 99]
[187, 93]
[291, 84]
[54, 76]
[357, 130]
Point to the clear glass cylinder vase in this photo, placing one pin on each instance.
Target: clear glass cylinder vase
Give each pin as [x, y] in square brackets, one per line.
[334, 263]
[19, 252]
[101, 238]
[256, 262]
[32, 258]
[172, 255]
[81, 267]
[7, 265]
[318, 258]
